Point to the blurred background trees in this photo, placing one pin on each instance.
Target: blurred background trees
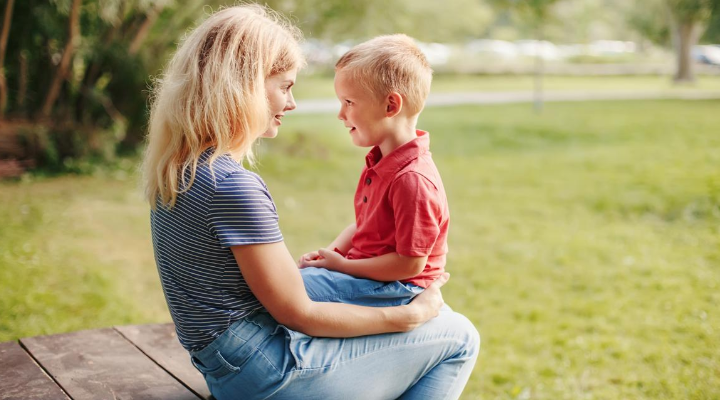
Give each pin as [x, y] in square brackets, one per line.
[75, 74]
[77, 71]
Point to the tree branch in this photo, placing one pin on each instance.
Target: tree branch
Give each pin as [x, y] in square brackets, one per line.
[73, 36]
[149, 21]
[3, 48]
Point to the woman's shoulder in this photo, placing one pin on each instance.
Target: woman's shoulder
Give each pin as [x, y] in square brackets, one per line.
[224, 171]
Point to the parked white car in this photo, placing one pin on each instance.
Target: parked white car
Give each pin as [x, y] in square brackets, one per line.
[436, 53]
[707, 54]
[543, 48]
[496, 48]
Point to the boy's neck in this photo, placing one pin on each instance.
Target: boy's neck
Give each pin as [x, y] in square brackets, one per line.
[399, 136]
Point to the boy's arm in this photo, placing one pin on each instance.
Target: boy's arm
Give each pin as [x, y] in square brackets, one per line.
[287, 301]
[343, 241]
[387, 267]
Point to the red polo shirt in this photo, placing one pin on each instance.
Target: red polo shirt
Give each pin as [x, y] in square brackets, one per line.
[400, 206]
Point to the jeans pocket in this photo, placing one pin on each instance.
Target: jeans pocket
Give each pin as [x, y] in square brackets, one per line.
[414, 289]
[229, 366]
[213, 368]
[294, 341]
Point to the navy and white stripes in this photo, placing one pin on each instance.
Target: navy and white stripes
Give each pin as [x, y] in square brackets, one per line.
[203, 286]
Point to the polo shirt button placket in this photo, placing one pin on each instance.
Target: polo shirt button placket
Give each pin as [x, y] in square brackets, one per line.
[368, 181]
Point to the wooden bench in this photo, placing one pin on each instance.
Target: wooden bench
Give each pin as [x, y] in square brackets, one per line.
[124, 362]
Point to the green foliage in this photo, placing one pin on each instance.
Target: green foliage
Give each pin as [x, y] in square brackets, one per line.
[712, 34]
[102, 103]
[650, 19]
[426, 20]
[583, 244]
[691, 10]
[537, 13]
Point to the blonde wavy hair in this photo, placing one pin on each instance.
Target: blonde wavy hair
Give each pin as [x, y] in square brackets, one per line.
[212, 94]
[390, 63]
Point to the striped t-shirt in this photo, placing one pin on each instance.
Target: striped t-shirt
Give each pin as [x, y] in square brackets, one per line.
[203, 286]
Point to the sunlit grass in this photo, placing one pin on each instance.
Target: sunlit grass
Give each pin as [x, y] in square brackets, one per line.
[584, 243]
[313, 87]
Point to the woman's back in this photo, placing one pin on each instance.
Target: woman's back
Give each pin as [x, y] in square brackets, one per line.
[203, 285]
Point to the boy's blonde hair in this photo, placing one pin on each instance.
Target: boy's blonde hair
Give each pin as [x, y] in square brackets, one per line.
[212, 94]
[390, 63]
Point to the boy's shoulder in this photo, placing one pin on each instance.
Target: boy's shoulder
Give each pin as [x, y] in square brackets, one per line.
[423, 166]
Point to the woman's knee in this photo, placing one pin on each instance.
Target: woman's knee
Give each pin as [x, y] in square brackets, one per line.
[466, 332]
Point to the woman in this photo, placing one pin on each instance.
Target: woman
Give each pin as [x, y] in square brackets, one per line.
[233, 290]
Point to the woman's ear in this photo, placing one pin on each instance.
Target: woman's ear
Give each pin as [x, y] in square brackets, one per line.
[394, 103]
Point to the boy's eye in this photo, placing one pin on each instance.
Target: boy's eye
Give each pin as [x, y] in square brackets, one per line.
[348, 102]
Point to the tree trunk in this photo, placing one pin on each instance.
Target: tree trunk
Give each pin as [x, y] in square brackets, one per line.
[539, 69]
[3, 48]
[61, 73]
[22, 81]
[687, 37]
[149, 21]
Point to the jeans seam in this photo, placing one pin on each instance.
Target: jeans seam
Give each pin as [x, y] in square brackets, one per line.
[373, 290]
[369, 354]
[270, 363]
[321, 298]
[238, 337]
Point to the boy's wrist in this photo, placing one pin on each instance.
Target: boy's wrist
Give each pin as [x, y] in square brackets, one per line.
[343, 266]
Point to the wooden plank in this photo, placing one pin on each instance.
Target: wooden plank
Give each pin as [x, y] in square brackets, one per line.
[22, 378]
[101, 364]
[160, 343]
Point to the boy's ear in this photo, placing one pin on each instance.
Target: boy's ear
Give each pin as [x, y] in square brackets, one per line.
[394, 103]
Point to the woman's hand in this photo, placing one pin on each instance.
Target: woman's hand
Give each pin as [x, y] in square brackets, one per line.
[288, 302]
[428, 303]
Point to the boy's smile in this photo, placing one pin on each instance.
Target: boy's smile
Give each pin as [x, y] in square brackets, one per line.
[360, 111]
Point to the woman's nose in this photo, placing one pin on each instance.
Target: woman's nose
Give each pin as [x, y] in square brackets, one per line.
[291, 105]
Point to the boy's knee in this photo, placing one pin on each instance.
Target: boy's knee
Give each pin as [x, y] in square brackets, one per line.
[319, 285]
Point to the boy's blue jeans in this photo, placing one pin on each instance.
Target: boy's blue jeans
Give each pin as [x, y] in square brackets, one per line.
[336, 287]
[257, 358]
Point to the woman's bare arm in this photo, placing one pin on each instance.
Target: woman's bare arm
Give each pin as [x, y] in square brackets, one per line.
[273, 277]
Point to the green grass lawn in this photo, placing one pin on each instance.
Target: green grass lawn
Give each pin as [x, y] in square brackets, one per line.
[313, 86]
[584, 243]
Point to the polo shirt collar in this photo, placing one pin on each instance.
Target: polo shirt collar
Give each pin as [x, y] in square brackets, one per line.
[398, 158]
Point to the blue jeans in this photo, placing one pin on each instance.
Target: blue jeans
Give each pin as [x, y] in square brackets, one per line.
[336, 287]
[257, 358]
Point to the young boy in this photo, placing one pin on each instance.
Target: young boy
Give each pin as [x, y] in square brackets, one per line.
[397, 245]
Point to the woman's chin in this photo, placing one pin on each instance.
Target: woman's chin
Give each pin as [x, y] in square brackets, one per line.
[270, 133]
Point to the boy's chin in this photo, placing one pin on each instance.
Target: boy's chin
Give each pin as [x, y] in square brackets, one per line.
[360, 143]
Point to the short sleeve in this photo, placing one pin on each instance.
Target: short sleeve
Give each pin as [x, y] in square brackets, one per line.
[418, 209]
[242, 211]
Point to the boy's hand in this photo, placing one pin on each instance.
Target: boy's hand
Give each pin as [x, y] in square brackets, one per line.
[313, 255]
[328, 259]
